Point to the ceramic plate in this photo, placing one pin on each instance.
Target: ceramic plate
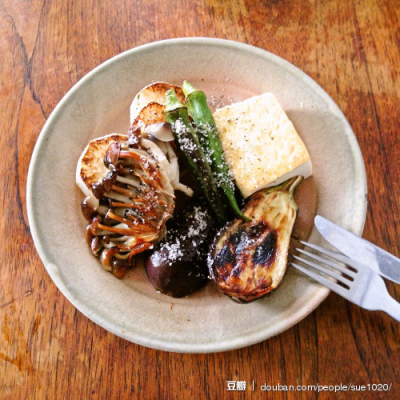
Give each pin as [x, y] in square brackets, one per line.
[99, 104]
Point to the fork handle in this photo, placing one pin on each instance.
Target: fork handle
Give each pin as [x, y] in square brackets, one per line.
[391, 307]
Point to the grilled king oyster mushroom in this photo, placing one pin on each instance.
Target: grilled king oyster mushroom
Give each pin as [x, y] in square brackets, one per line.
[129, 198]
[248, 259]
[153, 94]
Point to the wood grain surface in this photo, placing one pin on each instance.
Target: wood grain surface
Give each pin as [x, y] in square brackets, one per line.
[50, 350]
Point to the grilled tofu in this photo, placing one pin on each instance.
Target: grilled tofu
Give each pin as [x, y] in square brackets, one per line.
[261, 144]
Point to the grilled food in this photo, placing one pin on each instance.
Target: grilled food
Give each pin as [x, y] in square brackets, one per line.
[154, 93]
[204, 124]
[260, 144]
[249, 259]
[177, 115]
[177, 266]
[129, 183]
[129, 200]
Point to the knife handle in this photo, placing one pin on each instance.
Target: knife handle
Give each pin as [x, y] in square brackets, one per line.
[390, 306]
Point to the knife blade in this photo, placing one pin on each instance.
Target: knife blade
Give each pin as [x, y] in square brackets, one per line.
[358, 249]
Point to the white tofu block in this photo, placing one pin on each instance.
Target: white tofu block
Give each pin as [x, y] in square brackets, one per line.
[260, 144]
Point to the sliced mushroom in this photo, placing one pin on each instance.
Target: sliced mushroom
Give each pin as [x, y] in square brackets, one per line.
[91, 169]
[152, 93]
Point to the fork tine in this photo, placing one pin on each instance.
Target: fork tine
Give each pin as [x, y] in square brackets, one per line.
[344, 270]
[332, 254]
[324, 281]
[325, 271]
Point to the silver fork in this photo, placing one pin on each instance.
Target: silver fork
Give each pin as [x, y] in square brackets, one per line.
[359, 284]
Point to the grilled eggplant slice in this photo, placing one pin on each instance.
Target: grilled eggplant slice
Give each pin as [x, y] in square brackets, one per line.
[249, 259]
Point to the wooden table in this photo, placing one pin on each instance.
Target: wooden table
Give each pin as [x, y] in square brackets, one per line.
[50, 350]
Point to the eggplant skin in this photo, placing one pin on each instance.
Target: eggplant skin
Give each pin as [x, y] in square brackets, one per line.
[177, 267]
[177, 279]
[247, 260]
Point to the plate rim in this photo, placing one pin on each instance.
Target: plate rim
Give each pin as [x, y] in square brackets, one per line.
[180, 347]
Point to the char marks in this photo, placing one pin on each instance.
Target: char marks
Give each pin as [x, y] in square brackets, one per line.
[249, 246]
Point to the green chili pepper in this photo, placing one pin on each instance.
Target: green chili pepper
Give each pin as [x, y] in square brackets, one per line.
[204, 123]
[186, 139]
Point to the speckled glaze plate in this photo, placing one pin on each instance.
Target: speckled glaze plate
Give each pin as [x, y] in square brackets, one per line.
[99, 104]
